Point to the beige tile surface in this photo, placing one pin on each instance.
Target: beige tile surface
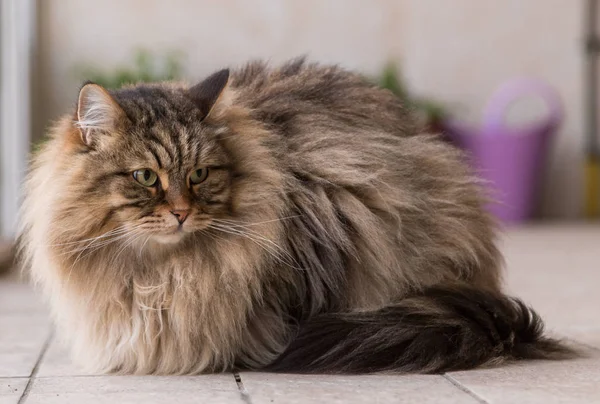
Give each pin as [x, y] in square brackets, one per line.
[135, 390]
[21, 339]
[24, 327]
[557, 271]
[11, 390]
[19, 298]
[570, 382]
[266, 388]
[57, 362]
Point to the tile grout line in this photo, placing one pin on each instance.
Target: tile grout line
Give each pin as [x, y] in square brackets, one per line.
[243, 392]
[464, 388]
[35, 369]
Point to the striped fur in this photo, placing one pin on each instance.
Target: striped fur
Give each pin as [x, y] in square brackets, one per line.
[324, 210]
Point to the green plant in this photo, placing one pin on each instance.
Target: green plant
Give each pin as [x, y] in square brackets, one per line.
[146, 68]
[390, 79]
[433, 111]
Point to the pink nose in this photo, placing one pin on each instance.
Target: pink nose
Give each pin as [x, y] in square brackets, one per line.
[181, 214]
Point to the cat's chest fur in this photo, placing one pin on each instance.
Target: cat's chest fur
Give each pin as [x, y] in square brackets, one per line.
[180, 313]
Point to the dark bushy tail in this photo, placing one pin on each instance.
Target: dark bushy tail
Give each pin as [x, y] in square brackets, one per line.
[441, 329]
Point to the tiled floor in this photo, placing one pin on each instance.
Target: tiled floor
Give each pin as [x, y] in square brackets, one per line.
[554, 268]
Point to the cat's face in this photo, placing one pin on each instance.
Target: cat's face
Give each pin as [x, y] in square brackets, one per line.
[152, 166]
[159, 182]
[149, 166]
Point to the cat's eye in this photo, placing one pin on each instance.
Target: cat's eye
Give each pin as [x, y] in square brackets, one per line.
[146, 177]
[199, 175]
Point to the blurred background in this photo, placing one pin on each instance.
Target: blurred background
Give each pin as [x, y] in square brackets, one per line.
[511, 81]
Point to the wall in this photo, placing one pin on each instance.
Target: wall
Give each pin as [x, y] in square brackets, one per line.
[460, 50]
[457, 51]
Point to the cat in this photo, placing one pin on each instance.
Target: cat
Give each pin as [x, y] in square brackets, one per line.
[289, 219]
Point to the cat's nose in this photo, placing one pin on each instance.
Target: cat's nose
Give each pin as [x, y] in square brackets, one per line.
[180, 214]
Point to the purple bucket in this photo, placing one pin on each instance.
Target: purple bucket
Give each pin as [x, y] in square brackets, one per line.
[510, 160]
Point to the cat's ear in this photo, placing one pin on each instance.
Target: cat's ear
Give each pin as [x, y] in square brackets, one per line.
[209, 93]
[97, 112]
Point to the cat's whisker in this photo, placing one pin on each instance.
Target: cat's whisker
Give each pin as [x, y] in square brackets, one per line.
[269, 243]
[123, 247]
[254, 233]
[101, 241]
[257, 242]
[104, 239]
[275, 250]
[117, 230]
[214, 237]
[143, 245]
[97, 244]
[243, 224]
[105, 243]
[134, 238]
[79, 256]
[90, 250]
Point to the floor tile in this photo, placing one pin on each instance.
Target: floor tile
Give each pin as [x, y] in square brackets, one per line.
[565, 382]
[586, 335]
[22, 337]
[556, 270]
[135, 389]
[374, 389]
[11, 390]
[19, 297]
[57, 362]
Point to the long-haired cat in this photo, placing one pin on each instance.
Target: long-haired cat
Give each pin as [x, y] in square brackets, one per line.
[286, 219]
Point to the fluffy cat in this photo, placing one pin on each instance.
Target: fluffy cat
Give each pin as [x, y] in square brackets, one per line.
[286, 219]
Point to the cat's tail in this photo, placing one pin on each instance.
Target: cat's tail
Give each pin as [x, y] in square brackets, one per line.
[441, 329]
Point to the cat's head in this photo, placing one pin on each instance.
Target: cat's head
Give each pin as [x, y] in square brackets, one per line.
[158, 162]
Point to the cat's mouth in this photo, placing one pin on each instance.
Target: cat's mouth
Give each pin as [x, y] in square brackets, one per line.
[171, 237]
[175, 233]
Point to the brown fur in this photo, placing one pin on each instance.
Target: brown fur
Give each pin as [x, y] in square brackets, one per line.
[321, 198]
